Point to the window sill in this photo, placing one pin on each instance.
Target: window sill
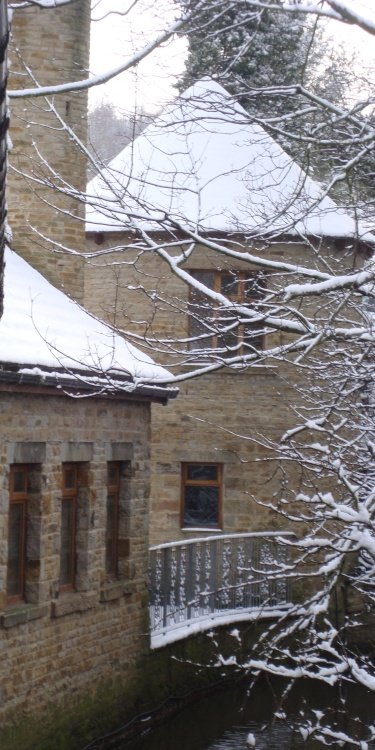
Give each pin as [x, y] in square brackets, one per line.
[73, 601]
[18, 614]
[200, 529]
[115, 590]
[239, 367]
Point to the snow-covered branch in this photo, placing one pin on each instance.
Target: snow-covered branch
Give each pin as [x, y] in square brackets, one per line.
[98, 80]
[45, 4]
[338, 10]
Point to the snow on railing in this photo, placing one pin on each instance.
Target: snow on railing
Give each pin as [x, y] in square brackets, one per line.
[222, 579]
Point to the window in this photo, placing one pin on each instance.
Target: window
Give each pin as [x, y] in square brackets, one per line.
[201, 495]
[113, 513]
[68, 525]
[16, 573]
[24, 533]
[213, 327]
[118, 520]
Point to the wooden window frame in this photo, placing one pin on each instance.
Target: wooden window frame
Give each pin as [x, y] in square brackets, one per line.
[70, 494]
[241, 296]
[19, 498]
[186, 482]
[112, 549]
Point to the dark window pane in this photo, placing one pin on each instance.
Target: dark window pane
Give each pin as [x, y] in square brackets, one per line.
[253, 336]
[201, 507]
[67, 542]
[199, 472]
[111, 534]
[229, 342]
[201, 325]
[200, 306]
[201, 311]
[254, 286]
[228, 329]
[229, 284]
[19, 479]
[113, 475]
[70, 478]
[16, 546]
[204, 277]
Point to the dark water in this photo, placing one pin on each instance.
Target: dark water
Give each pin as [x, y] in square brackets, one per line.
[222, 721]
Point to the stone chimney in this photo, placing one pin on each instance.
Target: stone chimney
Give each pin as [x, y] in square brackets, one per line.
[47, 170]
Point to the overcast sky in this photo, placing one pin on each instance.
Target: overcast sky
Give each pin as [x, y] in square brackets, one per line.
[115, 36]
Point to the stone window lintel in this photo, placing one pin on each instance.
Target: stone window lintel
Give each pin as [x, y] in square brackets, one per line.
[119, 452]
[26, 453]
[77, 452]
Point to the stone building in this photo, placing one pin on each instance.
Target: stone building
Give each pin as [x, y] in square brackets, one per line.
[75, 420]
[75, 417]
[75, 470]
[199, 177]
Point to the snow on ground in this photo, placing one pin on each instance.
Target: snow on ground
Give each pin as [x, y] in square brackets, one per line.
[43, 328]
[202, 163]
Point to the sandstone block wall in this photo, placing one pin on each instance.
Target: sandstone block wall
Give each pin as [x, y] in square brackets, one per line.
[228, 417]
[47, 169]
[60, 644]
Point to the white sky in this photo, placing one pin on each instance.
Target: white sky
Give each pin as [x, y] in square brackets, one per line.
[117, 33]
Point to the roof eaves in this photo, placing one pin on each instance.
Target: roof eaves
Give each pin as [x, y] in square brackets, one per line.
[85, 383]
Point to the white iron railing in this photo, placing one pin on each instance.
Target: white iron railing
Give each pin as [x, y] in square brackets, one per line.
[216, 578]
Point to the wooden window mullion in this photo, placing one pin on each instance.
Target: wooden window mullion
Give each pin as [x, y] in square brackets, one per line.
[18, 489]
[68, 526]
[113, 517]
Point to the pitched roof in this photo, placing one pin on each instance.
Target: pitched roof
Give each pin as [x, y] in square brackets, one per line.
[206, 166]
[48, 338]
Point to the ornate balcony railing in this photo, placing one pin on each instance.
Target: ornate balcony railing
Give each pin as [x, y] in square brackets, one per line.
[216, 578]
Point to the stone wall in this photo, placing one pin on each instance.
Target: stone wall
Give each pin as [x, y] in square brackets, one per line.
[229, 417]
[64, 644]
[47, 168]
[220, 419]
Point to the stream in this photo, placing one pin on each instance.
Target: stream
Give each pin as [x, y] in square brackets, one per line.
[223, 720]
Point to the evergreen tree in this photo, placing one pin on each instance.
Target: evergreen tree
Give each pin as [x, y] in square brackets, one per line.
[334, 73]
[246, 51]
[250, 52]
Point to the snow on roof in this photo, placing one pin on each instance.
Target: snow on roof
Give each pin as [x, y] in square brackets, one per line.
[42, 328]
[203, 163]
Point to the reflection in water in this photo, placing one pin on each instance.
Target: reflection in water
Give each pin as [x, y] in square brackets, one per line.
[276, 737]
[222, 721]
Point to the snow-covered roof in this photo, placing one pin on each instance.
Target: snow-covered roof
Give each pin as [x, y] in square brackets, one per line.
[46, 335]
[206, 166]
